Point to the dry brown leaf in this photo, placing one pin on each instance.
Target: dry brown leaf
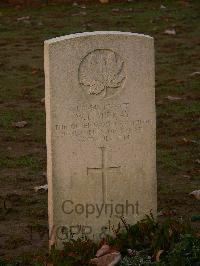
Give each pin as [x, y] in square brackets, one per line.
[23, 18]
[104, 1]
[44, 187]
[162, 7]
[131, 252]
[170, 32]
[196, 73]
[129, 9]
[158, 255]
[42, 100]
[198, 235]
[173, 98]
[170, 232]
[167, 213]
[103, 250]
[20, 124]
[186, 176]
[160, 102]
[83, 13]
[189, 141]
[115, 9]
[195, 194]
[185, 140]
[110, 259]
[34, 72]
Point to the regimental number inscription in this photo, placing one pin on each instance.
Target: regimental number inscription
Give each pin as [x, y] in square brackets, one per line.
[104, 171]
[101, 73]
[102, 122]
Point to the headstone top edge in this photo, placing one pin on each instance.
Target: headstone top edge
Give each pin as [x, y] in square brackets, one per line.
[94, 33]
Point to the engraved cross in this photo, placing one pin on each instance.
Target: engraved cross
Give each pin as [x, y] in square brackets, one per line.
[104, 170]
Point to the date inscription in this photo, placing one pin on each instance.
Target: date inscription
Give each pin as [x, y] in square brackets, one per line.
[107, 122]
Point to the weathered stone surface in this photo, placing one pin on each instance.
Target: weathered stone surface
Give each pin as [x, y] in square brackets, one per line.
[100, 131]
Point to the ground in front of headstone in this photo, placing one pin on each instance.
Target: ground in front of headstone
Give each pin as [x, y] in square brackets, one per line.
[23, 223]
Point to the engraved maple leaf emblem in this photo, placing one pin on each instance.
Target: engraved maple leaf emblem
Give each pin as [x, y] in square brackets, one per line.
[100, 71]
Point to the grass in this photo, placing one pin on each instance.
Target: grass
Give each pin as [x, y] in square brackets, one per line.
[30, 161]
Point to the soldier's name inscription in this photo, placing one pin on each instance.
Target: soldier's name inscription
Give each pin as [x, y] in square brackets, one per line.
[105, 121]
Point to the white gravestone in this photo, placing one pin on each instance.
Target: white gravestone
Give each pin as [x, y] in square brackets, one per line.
[101, 132]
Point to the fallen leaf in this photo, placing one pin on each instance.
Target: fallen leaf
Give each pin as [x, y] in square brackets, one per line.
[20, 124]
[131, 252]
[162, 7]
[185, 140]
[110, 259]
[102, 242]
[173, 98]
[72, 254]
[115, 10]
[197, 161]
[198, 235]
[103, 250]
[160, 102]
[129, 9]
[18, 7]
[42, 100]
[195, 74]
[189, 141]
[167, 213]
[158, 255]
[34, 72]
[94, 261]
[44, 187]
[170, 32]
[83, 13]
[170, 232]
[195, 194]
[44, 174]
[104, 1]
[23, 18]
[7, 205]
[186, 176]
